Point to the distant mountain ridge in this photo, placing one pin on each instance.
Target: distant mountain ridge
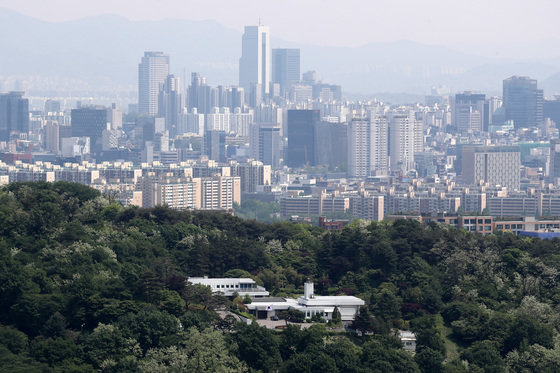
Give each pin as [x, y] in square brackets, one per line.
[108, 48]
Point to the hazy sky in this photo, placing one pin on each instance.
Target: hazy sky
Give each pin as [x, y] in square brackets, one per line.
[342, 22]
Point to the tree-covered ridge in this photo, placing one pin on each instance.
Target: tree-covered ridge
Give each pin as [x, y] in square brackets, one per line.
[87, 285]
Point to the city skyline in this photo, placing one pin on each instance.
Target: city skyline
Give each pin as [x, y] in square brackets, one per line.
[99, 59]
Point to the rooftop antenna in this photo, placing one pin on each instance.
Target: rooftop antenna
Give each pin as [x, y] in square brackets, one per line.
[260, 21]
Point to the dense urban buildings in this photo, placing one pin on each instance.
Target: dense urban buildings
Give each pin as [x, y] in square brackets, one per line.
[290, 139]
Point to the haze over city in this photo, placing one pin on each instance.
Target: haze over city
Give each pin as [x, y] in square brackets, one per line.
[335, 23]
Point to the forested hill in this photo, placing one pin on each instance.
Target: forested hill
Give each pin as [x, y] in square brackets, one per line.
[87, 285]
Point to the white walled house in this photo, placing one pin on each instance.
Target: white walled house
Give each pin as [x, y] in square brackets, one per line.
[310, 304]
[230, 286]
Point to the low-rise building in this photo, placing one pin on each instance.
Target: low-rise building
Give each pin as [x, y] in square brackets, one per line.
[408, 339]
[310, 304]
[231, 286]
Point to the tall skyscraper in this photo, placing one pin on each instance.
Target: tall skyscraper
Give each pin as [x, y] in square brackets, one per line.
[14, 114]
[523, 102]
[255, 61]
[171, 104]
[152, 72]
[468, 112]
[301, 137]
[285, 67]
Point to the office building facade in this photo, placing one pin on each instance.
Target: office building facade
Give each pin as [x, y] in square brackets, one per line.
[90, 122]
[285, 67]
[14, 114]
[468, 112]
[523, 102]
[495, 165]
[301, 137]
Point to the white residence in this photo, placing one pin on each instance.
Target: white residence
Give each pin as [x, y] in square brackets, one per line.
[408, 340]
[309, 303]
[230, 286]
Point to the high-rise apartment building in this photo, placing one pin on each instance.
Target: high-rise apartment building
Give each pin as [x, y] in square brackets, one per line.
[285, 67]
[14, 114]
[359, 140]
[379, 146]
[523, 102]
[255, 61]
[152, 73]
[301, 137]
[220, 192]
[252, 174]
[406, 139]
[192, 122]
[368, 146]
[52, 137]
[468, 112]
[208, 193]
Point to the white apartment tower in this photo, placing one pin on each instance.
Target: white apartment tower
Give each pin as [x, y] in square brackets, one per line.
[406, 139]
[359, 146]
[152, 73]
[255, 61]
[368, 146]
[379, 143]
